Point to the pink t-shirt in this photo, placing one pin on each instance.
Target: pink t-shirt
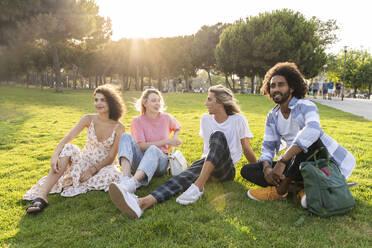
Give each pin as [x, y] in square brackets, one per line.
[144, 129]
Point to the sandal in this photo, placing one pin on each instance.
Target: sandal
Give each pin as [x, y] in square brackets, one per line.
[39, 203]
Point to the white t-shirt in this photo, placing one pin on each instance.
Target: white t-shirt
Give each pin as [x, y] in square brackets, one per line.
[235, 128]
[288, 130]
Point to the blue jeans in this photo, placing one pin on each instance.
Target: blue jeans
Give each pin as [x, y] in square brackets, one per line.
[152, 162]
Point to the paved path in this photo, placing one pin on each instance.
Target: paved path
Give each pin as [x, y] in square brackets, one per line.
[361, 107]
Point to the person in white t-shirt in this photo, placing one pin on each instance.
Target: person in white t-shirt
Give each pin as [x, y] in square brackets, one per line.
[226, 135]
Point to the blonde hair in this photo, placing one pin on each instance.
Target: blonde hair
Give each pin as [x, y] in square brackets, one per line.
[226, 97]
[145, 96]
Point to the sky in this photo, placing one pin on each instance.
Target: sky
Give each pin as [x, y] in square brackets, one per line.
[167, 18]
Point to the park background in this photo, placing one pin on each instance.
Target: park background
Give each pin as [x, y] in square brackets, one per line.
[50, 46]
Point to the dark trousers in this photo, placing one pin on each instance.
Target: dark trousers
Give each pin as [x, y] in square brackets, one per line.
[253, 172]
[219, 156]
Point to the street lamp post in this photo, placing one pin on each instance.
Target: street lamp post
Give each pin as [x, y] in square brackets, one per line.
[343, 80]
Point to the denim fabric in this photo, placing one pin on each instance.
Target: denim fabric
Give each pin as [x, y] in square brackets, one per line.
[152, 162]
[305, 113]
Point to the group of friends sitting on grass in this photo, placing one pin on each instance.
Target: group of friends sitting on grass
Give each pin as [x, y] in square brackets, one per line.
[292, 125]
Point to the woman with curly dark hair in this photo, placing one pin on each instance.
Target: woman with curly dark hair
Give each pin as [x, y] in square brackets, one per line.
[75, 172]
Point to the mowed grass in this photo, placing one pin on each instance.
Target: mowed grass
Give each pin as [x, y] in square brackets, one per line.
[32, 122]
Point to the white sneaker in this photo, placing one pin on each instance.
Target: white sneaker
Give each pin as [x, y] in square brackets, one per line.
[125, 201]
[129, 184]
[303, 201]
[191, 195]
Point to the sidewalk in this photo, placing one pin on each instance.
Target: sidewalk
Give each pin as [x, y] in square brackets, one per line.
[361, 107]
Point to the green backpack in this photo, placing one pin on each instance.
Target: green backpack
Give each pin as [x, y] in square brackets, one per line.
[327, 192]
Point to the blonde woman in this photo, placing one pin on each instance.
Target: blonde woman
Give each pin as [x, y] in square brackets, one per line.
[145, 152]
[75, 172]
[226, 135]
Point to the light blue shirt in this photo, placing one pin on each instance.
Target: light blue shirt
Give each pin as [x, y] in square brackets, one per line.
[305, 113]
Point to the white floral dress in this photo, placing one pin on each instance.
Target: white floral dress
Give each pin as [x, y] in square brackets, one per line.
[92, 154]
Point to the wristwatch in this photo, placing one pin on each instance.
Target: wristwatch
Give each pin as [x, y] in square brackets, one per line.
[281, 159]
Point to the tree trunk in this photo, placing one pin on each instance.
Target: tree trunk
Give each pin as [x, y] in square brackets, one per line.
[142, 79]
[103, 79]
[81, 80]
[233, 82]
[27, 79]
[160, 83]
[355, 91]
[188, 86]
[111, 79]
[369, 90]
[209, 77]
[130, 82]
[96, 81]
[74, 75]
[57, 69]
[252, 87]
[227, 82]
[123, 86]
[137, 82]
[150, 78]
[242, 87]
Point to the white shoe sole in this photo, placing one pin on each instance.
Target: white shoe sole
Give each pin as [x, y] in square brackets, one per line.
[182, 202]
[118, 199]
[303, 202]
[250, 196]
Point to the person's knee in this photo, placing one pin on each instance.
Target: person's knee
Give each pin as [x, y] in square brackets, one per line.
[244, 172]
[248, 170]
[153, 149]
[217, 137]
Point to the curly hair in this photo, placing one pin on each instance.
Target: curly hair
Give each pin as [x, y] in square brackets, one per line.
[114, 100]
[145, 96]
[292, 74]
[226, 97]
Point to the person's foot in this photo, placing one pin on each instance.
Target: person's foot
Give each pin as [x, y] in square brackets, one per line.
[129, 184]
[191, 195]
[37, 205]
[265, 194]
[301, 197]
[125, 201]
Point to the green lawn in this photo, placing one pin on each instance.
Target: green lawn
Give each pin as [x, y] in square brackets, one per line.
[32, 122]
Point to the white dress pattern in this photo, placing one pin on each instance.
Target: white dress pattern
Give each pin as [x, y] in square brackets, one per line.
[92, 154]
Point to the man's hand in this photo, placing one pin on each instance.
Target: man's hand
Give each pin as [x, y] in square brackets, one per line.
[268, 174]
[278, 172]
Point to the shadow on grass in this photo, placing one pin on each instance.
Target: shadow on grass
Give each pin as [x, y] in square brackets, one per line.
[92, 220]
[224, 217]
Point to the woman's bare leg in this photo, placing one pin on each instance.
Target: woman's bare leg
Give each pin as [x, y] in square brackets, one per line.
[52, 178]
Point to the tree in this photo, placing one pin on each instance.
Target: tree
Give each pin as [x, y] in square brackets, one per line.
[205, 42]
[59, 22]
[257, 43]
[365, 74]
[223, 54]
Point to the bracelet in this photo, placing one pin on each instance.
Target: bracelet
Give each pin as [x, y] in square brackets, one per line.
[281, 159]
[95, 167]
